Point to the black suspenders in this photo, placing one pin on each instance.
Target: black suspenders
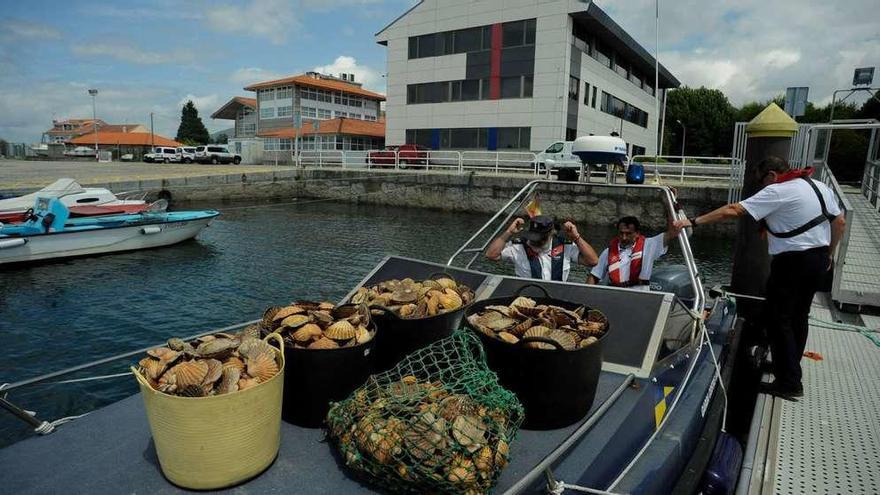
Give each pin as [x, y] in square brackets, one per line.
[824, 216]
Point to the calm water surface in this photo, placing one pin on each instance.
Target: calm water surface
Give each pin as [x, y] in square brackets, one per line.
[58, 315]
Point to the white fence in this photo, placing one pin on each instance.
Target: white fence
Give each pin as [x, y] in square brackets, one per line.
[670, 169]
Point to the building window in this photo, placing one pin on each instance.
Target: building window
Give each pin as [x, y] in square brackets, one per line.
[468, 90]
[619, 108]
[602, 54]
[511, 87]
[514, 138]
[323, 113]
[638, 150]
[356, 116]
[594, 97]
[586, 93]
[370, 117]
[508, 138]
[574, 86]
[311, 112]
[469, 40]
[621, 67]
[570, 134]
[266, 94]
[267, 112]
[528, 83]
[518, 33]
[270, 144]
[284, 92]
[635, 78]
[340, 115]
[286, 111]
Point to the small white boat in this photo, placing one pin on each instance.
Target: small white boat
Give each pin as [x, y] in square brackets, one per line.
[82, 201]
[50, 233]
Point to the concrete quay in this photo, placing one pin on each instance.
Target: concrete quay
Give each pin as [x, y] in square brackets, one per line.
[470, 191]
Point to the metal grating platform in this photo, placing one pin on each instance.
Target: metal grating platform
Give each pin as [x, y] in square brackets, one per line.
[829, 441]
[859, 283]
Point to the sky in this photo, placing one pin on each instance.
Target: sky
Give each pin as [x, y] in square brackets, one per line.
[148, 56]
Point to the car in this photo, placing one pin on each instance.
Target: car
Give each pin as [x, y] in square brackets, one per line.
[187, 154]
[81, 151]
[162, 154]
[128, 157]
[215, 153]
[407, 154]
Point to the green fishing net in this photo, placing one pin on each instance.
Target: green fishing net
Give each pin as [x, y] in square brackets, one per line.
[439, 422]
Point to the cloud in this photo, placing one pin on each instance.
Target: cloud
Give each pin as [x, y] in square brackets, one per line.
[367, 76]
[131, 54]
[22, 29]
[327, 5]
[269, 19]
[753, 51]
[206, 105]
[249, 75]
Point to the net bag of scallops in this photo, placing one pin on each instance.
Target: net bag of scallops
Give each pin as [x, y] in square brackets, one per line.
[205, 399]
[438, 422]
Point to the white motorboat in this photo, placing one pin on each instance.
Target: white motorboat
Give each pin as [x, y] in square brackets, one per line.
[50, 233]
[81, 201]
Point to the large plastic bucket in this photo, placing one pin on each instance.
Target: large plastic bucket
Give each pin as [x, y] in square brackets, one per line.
[214, 442]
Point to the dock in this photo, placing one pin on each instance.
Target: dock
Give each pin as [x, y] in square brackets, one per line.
[829, 441]
[859, 284]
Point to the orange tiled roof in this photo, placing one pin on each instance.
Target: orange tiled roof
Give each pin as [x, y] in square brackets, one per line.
[350, 127]
[250, 102]
[330, 84]
[227, 111]
[124, 138]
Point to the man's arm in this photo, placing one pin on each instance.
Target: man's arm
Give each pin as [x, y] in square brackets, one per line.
[837, 227]
[671, 229]
[493, 252]
[592, 280]
[586, 254]
[726, 212]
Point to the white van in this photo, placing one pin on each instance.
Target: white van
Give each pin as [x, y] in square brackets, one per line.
[557, 157]
[162, 154]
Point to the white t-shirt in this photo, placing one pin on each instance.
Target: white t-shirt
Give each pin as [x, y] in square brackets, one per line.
[788, 205]
[652, 250]
[517, 254]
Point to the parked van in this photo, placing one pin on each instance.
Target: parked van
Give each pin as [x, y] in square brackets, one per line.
[162, 155]
[187, 154]
[559, 158]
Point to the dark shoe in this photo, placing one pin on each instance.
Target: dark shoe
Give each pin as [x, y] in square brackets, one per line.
[787, 392]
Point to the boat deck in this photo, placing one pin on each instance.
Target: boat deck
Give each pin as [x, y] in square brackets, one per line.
[859, 283]
[829, 441]
[115, 441]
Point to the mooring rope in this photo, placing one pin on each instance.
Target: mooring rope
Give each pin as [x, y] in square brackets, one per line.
[44, 427]
[558, 487]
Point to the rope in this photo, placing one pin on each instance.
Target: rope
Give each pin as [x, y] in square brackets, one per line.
[868, 333]
[90, 378]
[49, 426]
[558, 487]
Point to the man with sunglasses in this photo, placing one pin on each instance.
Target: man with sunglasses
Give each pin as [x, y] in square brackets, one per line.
[805, 225]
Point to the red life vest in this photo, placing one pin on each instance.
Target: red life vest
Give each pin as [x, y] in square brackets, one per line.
[635, 262]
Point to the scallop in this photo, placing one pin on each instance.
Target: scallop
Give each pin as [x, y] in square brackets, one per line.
[322, 317]
[341, 330]
[189, 373]
[537, 331]
[252, 347]
[268, 319]
[234, 362]
[324, 343]
[450, 300]
[217, 348]
[446, 283]
[326, 306]
[508, 337]
[262, 367]
[500, 323]
[151, 368]
[215, 370]
[191, 391]
[164, 354]
[565, 339]
[252, 331]
[523, 302]
[295, 321]
[405, 295]
[363, 335]
[288, 311]
[587, 341]
[229, 380]
[433, 303]
[504, 310]
[522, 326]
[484, 461]
[246, 383]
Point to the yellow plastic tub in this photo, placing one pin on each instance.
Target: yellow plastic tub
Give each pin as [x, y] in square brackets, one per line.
[219, 441]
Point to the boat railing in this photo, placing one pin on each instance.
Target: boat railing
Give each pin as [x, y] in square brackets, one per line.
[476, 245]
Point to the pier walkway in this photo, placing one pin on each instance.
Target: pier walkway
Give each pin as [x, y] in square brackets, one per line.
[829, 441]
[859, 282]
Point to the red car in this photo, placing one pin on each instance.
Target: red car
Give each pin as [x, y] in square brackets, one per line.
[408, 154]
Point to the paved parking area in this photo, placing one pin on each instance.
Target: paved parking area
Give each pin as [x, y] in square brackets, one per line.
[23, 174]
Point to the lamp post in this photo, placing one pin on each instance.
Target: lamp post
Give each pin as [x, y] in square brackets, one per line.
[94, 93]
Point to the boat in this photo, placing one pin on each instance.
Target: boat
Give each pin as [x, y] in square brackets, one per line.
[81, 201]
[51, 233]
[658, 410]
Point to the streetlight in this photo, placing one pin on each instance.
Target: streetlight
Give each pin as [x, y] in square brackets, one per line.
[683, 137]
[93, 93]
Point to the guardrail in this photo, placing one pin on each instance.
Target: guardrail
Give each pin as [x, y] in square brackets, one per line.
[823, 173]
[673, 168]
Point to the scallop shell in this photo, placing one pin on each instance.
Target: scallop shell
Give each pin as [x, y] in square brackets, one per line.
[502, 451]
[500, 323]
[306, 332]
[151, 368]
[461, 471]
[565, 339]
[229, 380]
[269, 316]
[234, 362]
[217, 348]
[252, 331]
[167, 382]
[483, 461]
[326, 306]
[191, 391]
[433, 303]
[324, 343]
[446, 283]
[189, 373]
[287, 311]
[252, 347]
[508, 337]
[262, 367]
[521, 327]
[341, 330]
[322, 317]
[295, 321]
[587, 341]
[363, 335]
[469, 432]
[180, 345]
[406, 310]
[405, 295]
[450, 300]
[527, 311]
[246, 383]
[523, 302]
[164, 354]
[215, 370]
[537, 331]
[504, 310]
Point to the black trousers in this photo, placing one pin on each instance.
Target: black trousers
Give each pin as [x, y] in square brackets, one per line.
[794, 279]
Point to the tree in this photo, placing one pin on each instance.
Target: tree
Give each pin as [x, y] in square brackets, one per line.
[871, 108]
[221, 138]
[708, 117]
[191, 131]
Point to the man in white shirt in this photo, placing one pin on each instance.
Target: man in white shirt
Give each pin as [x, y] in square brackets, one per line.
[629, 258]
[805, 225]
[542, 252]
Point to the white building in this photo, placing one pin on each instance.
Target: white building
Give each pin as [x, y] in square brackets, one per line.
[516, 74]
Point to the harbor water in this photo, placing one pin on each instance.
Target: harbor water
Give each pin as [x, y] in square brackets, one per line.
[58, 315]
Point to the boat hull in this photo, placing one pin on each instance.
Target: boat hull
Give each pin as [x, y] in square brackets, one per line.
[101, 241]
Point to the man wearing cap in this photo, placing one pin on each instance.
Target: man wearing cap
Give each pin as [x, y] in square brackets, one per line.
[629, 258]
[541, 252]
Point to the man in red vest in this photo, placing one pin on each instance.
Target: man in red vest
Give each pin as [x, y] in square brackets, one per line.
[629, 259]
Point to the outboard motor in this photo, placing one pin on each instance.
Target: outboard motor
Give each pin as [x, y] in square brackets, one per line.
[674, 279]
[635, 173]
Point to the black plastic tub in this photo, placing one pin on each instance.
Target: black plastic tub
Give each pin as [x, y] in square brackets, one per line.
[556, 387]
[313, 378]
[396, 337]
